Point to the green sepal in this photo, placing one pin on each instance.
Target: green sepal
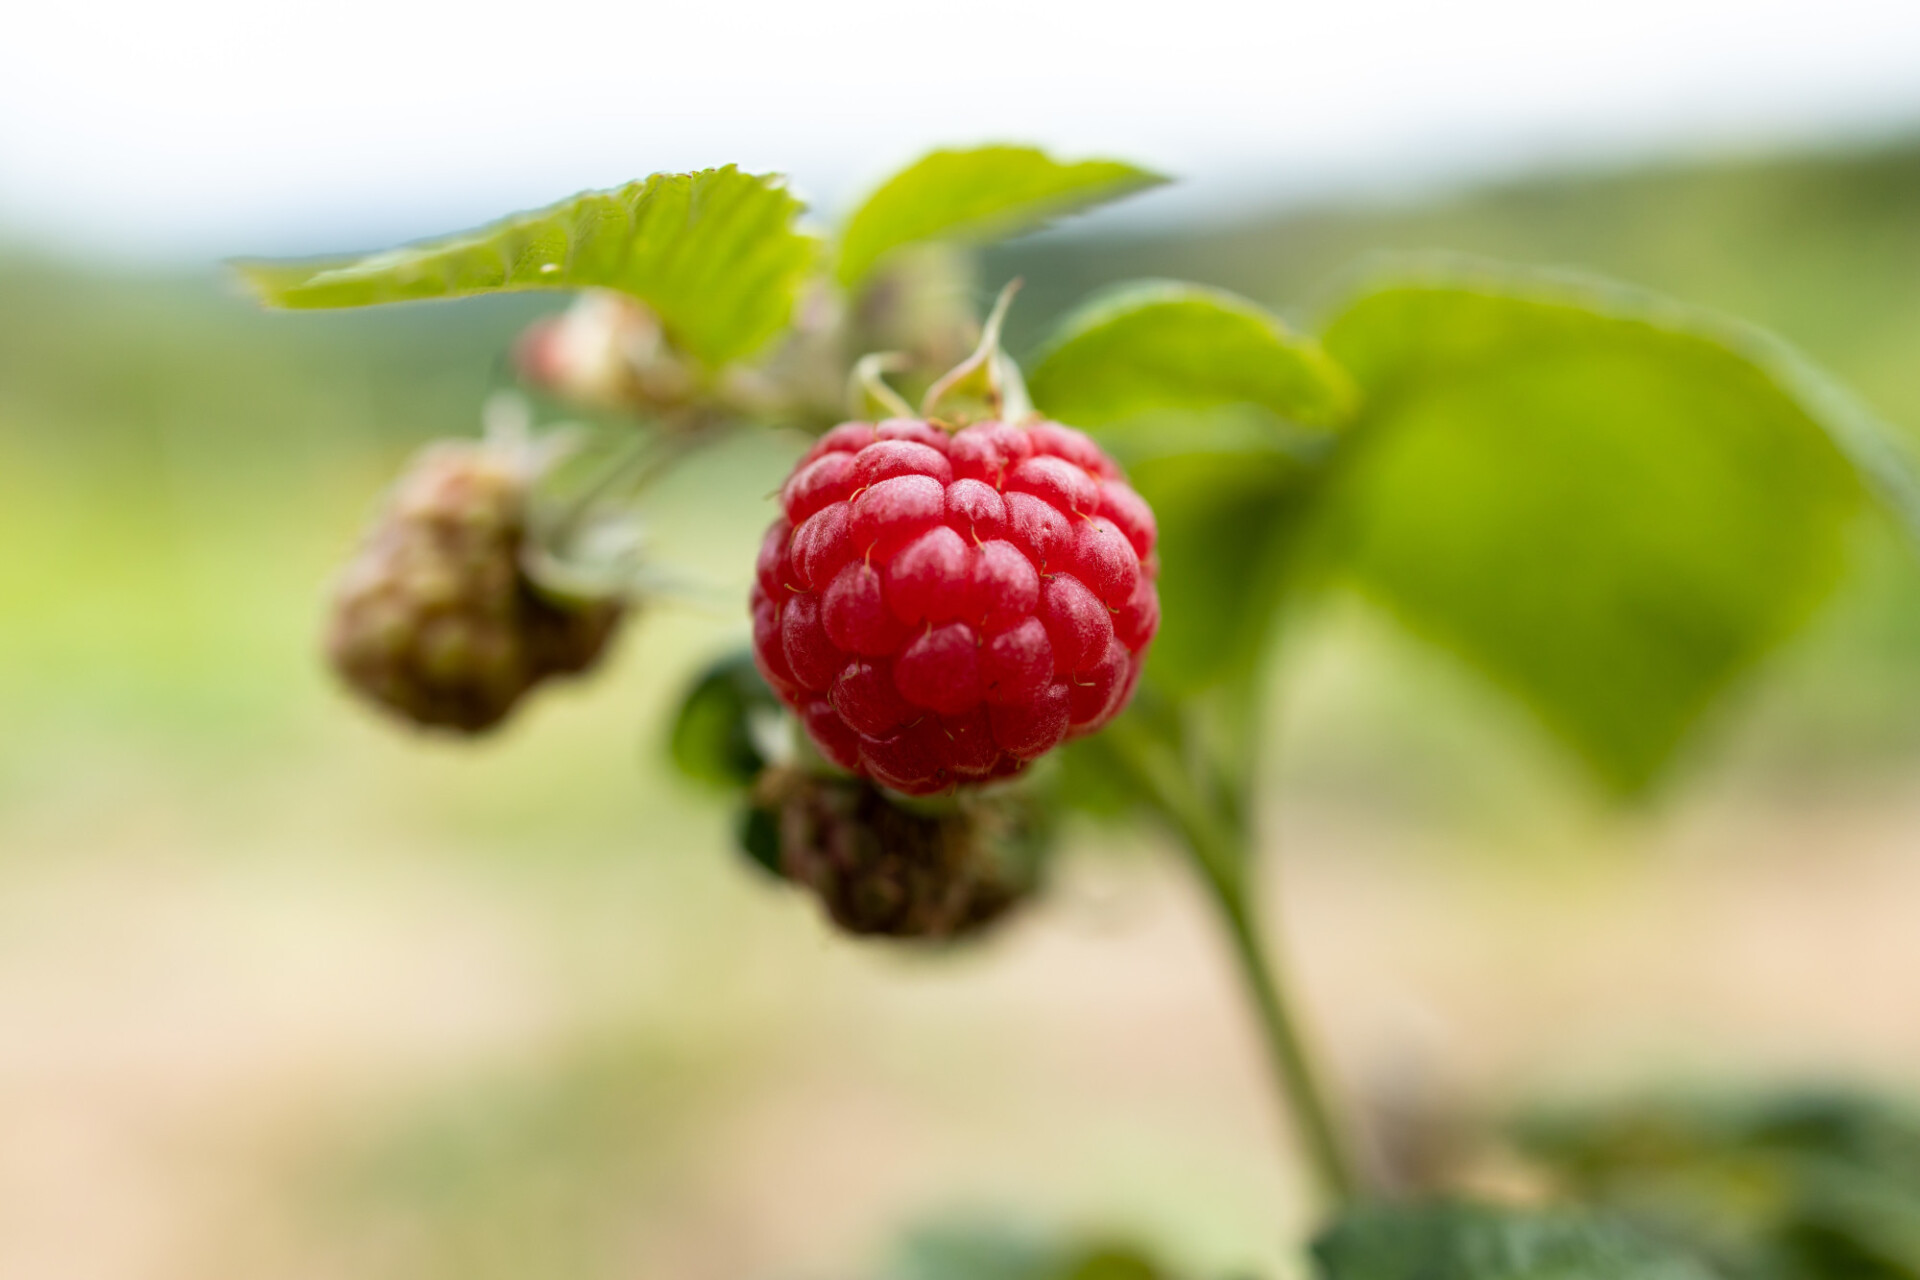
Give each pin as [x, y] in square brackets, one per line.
[868, 394]
[987, 384]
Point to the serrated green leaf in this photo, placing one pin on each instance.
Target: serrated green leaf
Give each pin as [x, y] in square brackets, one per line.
[714, 253]
[1472, 1242]
[1163, 345]
[1611, 505]
[713, 739]
[981, 194]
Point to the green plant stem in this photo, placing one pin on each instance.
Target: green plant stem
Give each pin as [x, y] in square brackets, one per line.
[629, 472]
[1293, 1066]
[1222, 855]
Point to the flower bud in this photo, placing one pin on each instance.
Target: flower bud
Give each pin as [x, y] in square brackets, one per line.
[606, 351]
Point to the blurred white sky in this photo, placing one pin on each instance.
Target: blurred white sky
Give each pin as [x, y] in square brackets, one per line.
[207, 127]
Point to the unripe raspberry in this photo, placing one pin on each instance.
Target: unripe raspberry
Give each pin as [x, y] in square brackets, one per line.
[942, 609]
[880, 868]
[434, 618]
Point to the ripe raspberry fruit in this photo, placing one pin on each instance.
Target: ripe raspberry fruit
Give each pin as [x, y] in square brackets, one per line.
[434, 618]
[943, 609]
[883, 869]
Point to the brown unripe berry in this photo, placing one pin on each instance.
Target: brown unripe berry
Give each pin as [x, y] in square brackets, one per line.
[885, 869]
[434, 618]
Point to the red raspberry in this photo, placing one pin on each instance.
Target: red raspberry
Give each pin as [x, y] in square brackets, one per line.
[942, 609]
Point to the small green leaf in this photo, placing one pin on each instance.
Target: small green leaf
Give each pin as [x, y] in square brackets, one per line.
[713, 737]
[1611, 505]
[757, 835]
[1163, 345]
[714, 253]
[1471, 1242]
[972, 196]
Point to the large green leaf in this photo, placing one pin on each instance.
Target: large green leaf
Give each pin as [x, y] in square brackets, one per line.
[1609, 504]
[1471, 1242]
[1163, 345]
[980, 194]
[714, 253]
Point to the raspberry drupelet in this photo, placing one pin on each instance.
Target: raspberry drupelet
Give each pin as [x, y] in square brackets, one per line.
[941, 609]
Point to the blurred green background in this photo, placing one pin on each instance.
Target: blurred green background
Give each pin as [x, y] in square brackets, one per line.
[286, 991]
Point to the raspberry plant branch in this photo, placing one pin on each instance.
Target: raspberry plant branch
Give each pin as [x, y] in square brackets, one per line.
[1610, 505]
[1295, 1070]
[628, 463]
[1219, 847]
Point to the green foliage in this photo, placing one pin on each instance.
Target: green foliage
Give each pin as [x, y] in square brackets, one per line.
[757, 835]
[1186, 384]
[1471, 1242]
[1797, 1187]
[1162, 345]
[1231, 521]
[713, 731]
[1101, 775]
[1090, 780]
[979, 194]
[1228, 523]
[714, 253]
[992, 1251]
[1822, 248]
[1609, 505]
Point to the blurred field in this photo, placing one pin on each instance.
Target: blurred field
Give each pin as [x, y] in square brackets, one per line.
[284, 992]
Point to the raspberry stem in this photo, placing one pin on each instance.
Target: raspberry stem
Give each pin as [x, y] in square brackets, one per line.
[1294, 1066]
[1221, 852]
[628, 472]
